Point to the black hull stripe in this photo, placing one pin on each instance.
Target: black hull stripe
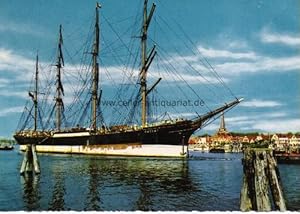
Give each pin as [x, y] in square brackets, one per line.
[117, 138]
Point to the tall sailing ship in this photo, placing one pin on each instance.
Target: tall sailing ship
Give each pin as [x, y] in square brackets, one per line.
[168, 137]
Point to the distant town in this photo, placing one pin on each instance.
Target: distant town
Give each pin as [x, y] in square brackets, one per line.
[225, 141]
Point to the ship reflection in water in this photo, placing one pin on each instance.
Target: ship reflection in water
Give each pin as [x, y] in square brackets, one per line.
[31, 195]
[93, 183]
[74, 182]
[57, 201]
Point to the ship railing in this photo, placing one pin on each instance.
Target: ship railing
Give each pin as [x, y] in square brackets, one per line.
[70, 130]
[32, 133]
[125, 128]
[120, 128]
[167, 122]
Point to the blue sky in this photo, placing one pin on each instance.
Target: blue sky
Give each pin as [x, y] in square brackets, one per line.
[253, 45]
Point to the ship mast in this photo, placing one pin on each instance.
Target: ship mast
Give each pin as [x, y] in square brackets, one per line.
[95, 54]
[146, 61]
[34, 96]
[35, 100]
[59, 87]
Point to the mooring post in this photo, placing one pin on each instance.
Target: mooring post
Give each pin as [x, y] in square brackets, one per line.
[30, 162]
[260, 174]
[183, 138]
[25, 160]
[35, 160]
[187, 150]
[275, 183]
[261, 182]
[245, 204]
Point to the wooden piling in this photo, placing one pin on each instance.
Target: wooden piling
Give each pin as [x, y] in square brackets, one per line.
[35, 160]
[260, 174]
[261, 182]
[25, 161]
[30, 162]
[246, 203]
[183, 141]
[275, 183]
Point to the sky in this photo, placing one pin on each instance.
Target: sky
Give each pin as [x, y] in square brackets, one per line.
[252, 45]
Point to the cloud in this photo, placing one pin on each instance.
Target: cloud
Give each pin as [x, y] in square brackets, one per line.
[282, 125]
[285, 39]
[233, 62]
[12, 110]
[189, 68]
[10, 61]
[185, 77]
[23, 68]
[3, 82]
[254, 118]
[276, 114]
[239, 120]
[10, 93]
[226, 62]
[238, 57]
[237, 44]
[269, 64]
[21, 28]
[18, 71]
[264, 122]
[215, 53]
[211, 127]
[118, 74]
[260, 103]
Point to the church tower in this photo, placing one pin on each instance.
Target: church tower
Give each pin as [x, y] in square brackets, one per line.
[222, 129]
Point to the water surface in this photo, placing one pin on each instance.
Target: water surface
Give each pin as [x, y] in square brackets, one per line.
[75, 182]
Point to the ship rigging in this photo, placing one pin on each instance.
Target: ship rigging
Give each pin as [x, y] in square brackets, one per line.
[74, 132]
